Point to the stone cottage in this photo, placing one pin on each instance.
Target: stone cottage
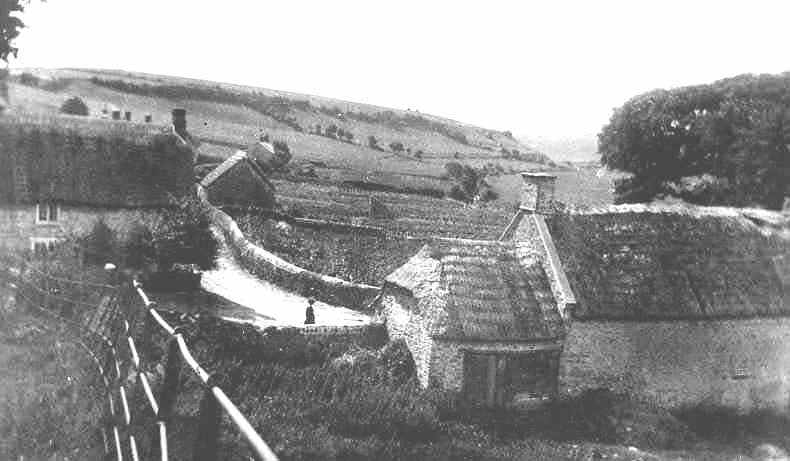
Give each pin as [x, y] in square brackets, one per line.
[239, 181]
[59, 174]
[677, 304]
[479, 317]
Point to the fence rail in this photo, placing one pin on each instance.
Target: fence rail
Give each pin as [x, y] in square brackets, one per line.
[116, 429]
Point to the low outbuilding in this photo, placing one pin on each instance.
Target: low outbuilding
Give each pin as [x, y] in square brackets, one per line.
[479, 317]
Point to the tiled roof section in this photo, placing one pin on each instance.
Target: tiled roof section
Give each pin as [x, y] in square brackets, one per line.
[488, 294]
[223, 168]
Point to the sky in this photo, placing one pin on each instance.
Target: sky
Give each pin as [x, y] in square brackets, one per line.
[541, 69]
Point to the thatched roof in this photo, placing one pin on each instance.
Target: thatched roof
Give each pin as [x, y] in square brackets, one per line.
[478, 290]
[90, 161]
[654, 262]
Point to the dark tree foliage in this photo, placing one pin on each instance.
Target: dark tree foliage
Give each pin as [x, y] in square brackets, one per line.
[29, 79]
[99, 246]
[468, 180]
[10, 26]
[396, 146]
[725, 143]
[74, 106]
[373, 143]
[183, 236]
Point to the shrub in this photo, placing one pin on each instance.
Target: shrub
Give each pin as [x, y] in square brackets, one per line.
[281, 147]
[183, 236]
[373, 143]
[29, 79]
[100, 245]
[396, 146]
[74, 106]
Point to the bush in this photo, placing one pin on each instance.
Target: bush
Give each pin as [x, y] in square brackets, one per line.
[100, 245]
[183, 236]
[29, 79]
[396, 146]
[74, 106]
[373, 143]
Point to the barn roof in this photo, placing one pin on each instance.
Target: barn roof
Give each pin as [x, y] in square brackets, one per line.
[231, 162]
[91, 161]
[481, 291]
[675, 261]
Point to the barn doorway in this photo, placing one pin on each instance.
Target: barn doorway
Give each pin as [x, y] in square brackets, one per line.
[503, 379]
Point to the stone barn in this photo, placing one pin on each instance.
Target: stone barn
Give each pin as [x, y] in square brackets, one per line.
[239, 181]
[677, 304]
[479, 317]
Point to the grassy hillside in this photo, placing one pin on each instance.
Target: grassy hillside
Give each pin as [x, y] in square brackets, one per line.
[287, 116]
[228, 117]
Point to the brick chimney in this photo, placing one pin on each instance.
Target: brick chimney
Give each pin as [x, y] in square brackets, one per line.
[180, 121]
[537, 195]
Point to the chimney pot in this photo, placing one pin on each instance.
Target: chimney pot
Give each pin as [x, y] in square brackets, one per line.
[116, 115]
[180, 121]
[538, 193]
[127, 116]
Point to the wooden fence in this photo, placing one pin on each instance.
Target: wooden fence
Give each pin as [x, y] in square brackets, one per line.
[120, 361]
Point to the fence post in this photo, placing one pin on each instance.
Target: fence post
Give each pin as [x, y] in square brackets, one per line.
[207, 443]
[169, 391]
[146, 336]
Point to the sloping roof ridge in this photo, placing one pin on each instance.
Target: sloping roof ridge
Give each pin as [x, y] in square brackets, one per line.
[464, 241]
[223, 168]
[677, 208]
[92, 125]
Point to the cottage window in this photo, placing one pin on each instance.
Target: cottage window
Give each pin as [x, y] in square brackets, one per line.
[43, 245]
[47, 212]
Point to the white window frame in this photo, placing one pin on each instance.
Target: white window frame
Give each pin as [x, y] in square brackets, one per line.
[49, 242]
[48, 219]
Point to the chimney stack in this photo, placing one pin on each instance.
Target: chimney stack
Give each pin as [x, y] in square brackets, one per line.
[538, 193]
[180, 121]
[127, 116]
[116, 115]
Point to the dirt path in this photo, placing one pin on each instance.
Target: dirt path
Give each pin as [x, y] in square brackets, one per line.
[271, 304]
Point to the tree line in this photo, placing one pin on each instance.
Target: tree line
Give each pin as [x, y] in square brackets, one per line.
[724, 143]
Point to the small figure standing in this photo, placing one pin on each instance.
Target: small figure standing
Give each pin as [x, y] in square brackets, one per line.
[309, 313]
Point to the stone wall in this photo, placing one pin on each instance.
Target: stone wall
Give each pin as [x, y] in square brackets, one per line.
[18, 223]
[742, 364]
[399, 309]
[268, 266]
[369, 333]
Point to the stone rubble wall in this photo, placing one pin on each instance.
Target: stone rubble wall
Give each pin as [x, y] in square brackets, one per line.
[740, 364]
[398, 309]
[18, 223]
[268, 266]
[373, 331]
